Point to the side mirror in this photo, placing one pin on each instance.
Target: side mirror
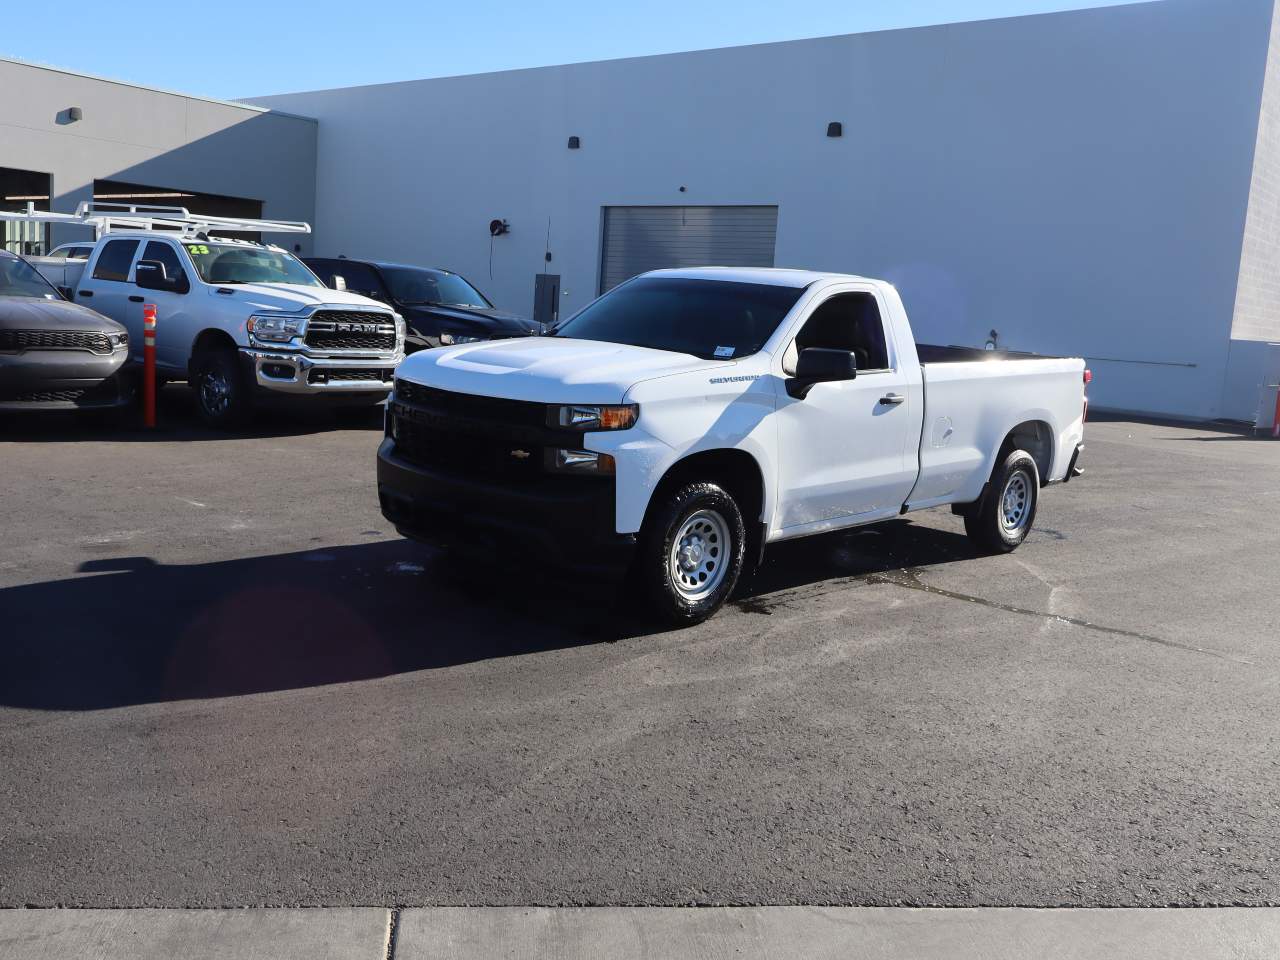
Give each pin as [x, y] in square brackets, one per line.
[339, 283]
[151, 275]
[820, 365]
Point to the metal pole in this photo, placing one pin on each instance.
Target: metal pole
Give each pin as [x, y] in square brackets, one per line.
[149, 364]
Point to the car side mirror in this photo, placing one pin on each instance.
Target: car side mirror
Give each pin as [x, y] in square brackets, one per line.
[151, 275]
[820, 365]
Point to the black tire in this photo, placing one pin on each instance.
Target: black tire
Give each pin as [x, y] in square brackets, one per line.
[716, 517]
[992, 528]
[223, 397]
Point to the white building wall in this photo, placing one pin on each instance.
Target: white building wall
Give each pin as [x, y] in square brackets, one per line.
[151, 137]
[1076, 181]
[1257, 307]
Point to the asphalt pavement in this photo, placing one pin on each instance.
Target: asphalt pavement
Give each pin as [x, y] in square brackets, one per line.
[224, 681]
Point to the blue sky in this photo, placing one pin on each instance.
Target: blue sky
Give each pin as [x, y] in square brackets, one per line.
[235, 48]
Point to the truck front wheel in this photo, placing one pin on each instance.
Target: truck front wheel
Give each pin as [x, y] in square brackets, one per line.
[1001, 520]
[222, 396]
[691, 552]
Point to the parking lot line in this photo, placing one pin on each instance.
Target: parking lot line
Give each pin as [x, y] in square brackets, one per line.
[643, 933]
[335, 934]
[817, 933]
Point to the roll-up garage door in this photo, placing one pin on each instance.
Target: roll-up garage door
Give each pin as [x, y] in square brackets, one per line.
[637, 239]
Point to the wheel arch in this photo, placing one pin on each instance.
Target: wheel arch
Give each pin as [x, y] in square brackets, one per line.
[208, 339]
[735, 469]
[1036, 437]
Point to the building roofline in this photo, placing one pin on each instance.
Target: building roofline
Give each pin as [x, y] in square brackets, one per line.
[236, 104]
[946, 24]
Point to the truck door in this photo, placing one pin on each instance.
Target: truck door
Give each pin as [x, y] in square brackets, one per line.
[174, 333]
[108, 289]
[844, 446]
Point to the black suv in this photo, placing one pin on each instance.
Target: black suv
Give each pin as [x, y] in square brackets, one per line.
[438, 307]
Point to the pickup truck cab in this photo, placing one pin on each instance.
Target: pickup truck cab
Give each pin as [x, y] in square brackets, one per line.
[688, 418]
[242, 321]
[438, 306]
[239, 321]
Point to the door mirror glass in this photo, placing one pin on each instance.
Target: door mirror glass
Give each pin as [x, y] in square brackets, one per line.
[151, 275]
[821, 365]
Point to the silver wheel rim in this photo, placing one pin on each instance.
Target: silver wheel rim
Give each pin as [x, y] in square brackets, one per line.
[1015, 503]
[215, 392]
[699, 555]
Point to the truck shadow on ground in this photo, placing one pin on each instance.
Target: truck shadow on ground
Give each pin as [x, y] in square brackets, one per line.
[177, 420]
[128, 630]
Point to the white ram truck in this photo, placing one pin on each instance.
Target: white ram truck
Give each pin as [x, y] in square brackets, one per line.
[239, 321]
[686, 419]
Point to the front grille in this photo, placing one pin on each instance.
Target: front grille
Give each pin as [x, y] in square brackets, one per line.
[51, 396]
[463, 454]
[350, 330]
[470, 406]
[14, 340]
[344, 375]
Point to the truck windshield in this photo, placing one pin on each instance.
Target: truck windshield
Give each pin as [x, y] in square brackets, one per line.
[713, 319]
[434, 287]
[19, 279]
[231, 263]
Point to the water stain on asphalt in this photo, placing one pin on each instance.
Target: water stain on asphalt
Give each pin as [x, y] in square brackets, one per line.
[909, 578]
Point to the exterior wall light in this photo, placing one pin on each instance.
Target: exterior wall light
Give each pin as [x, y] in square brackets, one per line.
[575, 143]
[835, 129]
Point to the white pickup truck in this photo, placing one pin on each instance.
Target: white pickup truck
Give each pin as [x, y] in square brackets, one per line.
[239, 321]
[687, 418]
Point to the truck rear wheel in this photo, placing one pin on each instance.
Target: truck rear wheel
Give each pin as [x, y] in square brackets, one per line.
[223, 397]
[1001, 520]
[691, 552]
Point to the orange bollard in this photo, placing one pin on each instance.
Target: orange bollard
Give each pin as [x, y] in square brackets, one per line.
[149, 364]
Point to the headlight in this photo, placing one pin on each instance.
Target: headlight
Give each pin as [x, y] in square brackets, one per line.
[581, 461]
[279, 329]
[621, 416]
[448, 339]
[118, 340]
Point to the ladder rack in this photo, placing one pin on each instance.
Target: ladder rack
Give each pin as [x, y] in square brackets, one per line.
[104, 218]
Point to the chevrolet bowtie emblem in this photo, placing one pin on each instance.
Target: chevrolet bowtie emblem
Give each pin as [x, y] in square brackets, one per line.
[521, 454]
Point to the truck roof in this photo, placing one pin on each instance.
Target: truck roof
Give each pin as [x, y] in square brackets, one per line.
[773, 276]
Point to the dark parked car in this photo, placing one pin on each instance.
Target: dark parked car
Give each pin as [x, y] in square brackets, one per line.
[54, 354]
[439, 307]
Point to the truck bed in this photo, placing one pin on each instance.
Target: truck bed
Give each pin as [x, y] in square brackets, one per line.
[974, 398]
[936, 353]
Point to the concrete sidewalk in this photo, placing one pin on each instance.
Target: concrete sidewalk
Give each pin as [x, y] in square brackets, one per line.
[641, 933]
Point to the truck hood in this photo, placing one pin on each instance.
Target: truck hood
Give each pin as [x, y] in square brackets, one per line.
[545, 369]
[474, 321]
[28, 313]
[291, 298]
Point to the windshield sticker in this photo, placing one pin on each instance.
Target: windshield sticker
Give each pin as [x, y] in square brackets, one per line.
[197, 248]
[724, 351]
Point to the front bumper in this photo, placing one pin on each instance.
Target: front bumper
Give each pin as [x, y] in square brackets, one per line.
[568, 521]
[283, 371]
[63, 380]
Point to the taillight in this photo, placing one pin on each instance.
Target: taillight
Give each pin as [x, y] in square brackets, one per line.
[1088, 379]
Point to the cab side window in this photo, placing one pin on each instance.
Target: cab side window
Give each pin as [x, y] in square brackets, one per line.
[322, 269]
[164, 253]
[848, 321]
[360, 279]
[115, 260]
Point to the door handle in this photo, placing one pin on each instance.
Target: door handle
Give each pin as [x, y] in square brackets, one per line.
[893, 399]
[136, 299]
[86, 293]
